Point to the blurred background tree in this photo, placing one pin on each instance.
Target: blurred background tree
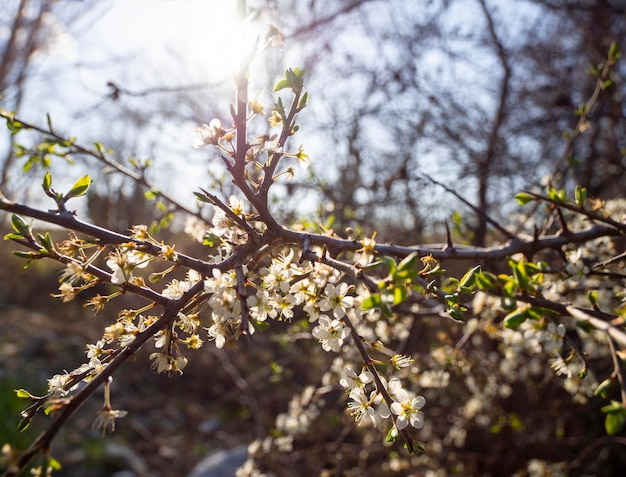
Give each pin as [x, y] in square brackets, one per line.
[475, 94]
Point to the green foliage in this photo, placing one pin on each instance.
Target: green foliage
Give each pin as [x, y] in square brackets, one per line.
[580, 195]
[557, 195]
[80, 187]
[615, 417]
[523, 198]
[604, 388]
[12, 403]
[514, 319]
[21, 228]
[294, 80]
[486, 280]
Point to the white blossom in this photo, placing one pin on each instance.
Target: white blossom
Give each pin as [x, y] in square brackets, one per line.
[330, 333]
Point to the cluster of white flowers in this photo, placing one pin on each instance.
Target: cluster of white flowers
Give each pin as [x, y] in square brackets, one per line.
[366, 403]
[331, 333]
[123, 261]
[177, 288]
[225, 307]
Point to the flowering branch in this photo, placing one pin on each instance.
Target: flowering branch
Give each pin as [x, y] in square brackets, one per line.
[259, 270]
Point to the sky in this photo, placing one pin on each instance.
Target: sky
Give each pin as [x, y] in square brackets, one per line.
[137, 45]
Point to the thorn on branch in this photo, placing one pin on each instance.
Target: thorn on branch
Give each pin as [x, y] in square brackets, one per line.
[564, 228]
[227, 163]
[307, 253]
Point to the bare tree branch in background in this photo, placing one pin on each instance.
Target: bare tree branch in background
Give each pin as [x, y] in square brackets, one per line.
[33, 27]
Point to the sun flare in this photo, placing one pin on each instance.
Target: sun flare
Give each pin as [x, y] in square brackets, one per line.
[218, 35]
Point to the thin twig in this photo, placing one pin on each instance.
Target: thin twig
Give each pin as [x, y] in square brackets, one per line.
[478, 211]
[618, 366]
[107, 161]
[380, 387]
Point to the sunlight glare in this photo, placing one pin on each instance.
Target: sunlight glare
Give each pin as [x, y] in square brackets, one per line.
[218, 38]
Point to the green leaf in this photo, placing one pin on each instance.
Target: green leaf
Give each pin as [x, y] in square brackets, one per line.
[376, 301]
[614, 52]
[582, 109]
[614, 423]
[79, 188]
[261, 325]
[452, 299]
[406, 268]
[523, 198]
[584, 325]
[29, 164]
[200, 196]
[536, 312]
[47, 183]
[386, 311]
[557, 195]
[530, 268]
[211, 240]
[155, 277]
[486, 280]
[390, 263]
[282, 84]
[280, 107]
[417, 446]
[614, 407]
[20, 226]
[392, 435]
[101, 149]
[303, 101]
[372, 301]
[603, 388]
[24, 423]
[580, 195]
[456, 314]
[294, 79]
[153, 194]
[523, 273]
[399, 294]
[592, 296]
[22, 393]
[46, 241]
[606, 84]
[469, 279]
[515, 318]
[54, 464]
[14, 125]
[519, 275]
[29, 260]
[26, 255]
